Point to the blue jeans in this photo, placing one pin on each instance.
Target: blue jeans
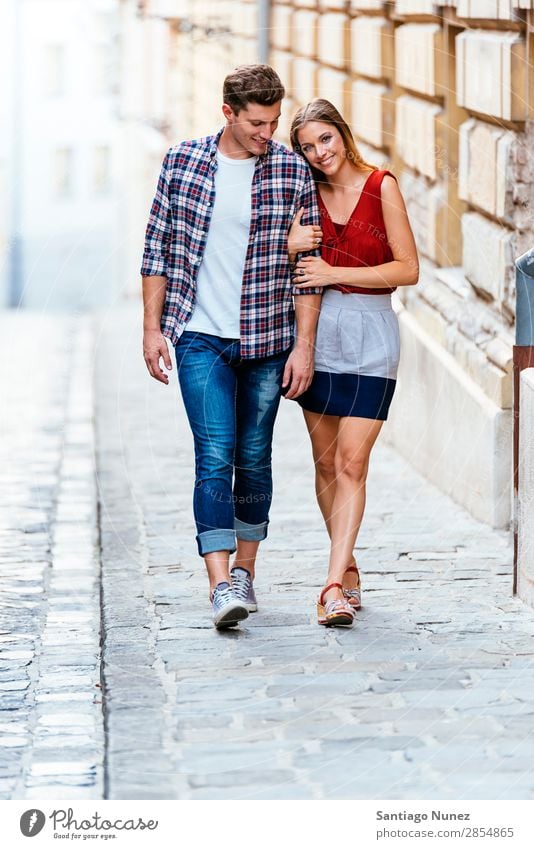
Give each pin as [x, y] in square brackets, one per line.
[231, 405]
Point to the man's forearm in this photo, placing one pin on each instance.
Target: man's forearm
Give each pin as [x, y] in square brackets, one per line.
[154, 289]
[306, 317]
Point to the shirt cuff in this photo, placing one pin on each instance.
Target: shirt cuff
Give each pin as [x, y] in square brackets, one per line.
[153, 265]
[316, 290]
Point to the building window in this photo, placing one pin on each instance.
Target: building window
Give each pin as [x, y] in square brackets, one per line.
[101, 169]
[63, 172]
[103, 69]
[54, 70]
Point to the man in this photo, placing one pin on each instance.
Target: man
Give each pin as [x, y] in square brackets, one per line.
[216, 282]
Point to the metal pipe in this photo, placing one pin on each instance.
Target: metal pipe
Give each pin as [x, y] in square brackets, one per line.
[523, 358]
[16, 258]
[524, 328]
[264, 23]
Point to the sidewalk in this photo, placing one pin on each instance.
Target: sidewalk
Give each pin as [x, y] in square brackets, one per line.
[429, 696]
[51, 728]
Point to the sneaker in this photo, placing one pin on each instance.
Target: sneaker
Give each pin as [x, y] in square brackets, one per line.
[243, 588]
[228, 610]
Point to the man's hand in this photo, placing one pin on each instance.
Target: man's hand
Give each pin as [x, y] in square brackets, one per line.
[154, 347]
[298, 372]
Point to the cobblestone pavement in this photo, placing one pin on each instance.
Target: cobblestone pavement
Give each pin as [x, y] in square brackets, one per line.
[430, 695]
[51, 728]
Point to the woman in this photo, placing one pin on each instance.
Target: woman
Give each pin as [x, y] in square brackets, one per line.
[367, 251]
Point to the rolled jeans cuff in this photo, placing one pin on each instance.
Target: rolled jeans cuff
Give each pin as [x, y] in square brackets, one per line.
[250, 533]
[220, 539]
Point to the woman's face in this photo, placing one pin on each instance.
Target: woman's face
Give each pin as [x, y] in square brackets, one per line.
[323, 147]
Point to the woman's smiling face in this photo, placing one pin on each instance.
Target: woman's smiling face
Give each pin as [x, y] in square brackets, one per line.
[322, 145]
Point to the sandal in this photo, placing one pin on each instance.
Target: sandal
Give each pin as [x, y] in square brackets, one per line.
[354, 596]
[334, 612]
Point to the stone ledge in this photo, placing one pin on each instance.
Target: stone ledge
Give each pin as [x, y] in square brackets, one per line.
[448, 428]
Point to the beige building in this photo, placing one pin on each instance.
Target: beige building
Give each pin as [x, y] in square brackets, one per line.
[443, 95]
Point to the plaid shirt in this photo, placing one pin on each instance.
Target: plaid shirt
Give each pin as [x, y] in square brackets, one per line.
[177, 231]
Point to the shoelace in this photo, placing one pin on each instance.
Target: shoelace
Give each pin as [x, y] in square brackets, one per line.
[222, 595]
[241, 581]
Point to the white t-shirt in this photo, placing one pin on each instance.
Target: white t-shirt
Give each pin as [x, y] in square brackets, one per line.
[220, 276]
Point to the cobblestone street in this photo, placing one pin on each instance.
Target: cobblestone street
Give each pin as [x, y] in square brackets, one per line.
[429, 696]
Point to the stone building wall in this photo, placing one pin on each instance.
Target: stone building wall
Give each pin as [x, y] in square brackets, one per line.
[442, 94]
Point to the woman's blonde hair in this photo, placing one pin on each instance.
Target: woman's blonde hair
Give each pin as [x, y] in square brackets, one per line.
[322, 110]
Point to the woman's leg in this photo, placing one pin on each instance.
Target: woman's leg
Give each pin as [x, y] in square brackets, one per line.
[323, 435]
[355, 439]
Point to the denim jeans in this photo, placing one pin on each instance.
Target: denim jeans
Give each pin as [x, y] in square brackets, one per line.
[231, 405]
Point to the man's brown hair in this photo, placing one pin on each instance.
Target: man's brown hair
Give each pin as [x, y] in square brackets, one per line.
[252, 84]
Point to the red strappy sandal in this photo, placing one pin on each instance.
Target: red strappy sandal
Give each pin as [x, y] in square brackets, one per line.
[334, 612]
[354, 596]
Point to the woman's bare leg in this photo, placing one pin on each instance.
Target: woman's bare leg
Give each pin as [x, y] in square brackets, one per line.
[323, 435]
[355, 440]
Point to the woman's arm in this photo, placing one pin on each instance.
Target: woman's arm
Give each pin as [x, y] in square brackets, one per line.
[403, 270]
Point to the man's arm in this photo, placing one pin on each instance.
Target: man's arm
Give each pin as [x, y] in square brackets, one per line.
[298, 372]
[153, 271]
[154, 344]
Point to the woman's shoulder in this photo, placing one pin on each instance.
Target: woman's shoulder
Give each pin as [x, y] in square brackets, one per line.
[384, 174]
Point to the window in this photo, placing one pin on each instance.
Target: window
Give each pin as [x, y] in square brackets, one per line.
[103, 69]
[101, 169]
[54, 70]
[62, 170]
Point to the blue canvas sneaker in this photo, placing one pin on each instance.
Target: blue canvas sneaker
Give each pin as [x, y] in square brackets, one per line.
[243, 588]
[228, 609]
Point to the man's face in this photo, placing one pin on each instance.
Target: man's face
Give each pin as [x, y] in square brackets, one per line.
[252, 127]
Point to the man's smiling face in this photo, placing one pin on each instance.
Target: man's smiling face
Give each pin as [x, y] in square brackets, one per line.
[252, 127]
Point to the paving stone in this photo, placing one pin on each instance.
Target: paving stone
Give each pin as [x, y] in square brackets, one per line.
[271, 709]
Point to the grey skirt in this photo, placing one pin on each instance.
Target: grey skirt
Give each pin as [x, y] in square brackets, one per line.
[356, 356]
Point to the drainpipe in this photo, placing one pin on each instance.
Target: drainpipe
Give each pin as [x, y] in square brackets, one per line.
[523, 358]
[16, 258]
[264, 22]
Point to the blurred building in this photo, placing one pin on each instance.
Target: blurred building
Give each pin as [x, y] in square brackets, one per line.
[7, 28]
[62, 138]
[442, 94]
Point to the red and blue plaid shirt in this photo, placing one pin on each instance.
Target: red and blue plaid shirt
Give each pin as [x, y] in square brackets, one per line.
[177, 231]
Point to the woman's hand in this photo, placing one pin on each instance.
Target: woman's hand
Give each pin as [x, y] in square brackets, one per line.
[313, 271]
[302, 238]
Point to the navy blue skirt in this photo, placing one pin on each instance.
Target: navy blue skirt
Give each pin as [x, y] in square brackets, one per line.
[360, 395]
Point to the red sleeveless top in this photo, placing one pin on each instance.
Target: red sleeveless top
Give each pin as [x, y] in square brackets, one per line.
[362, 241]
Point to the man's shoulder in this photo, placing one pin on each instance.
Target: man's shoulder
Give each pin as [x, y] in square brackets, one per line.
[282, 151]
[190, 149]
[281, 154]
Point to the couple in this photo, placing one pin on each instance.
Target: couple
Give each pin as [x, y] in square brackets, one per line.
[259, 260]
